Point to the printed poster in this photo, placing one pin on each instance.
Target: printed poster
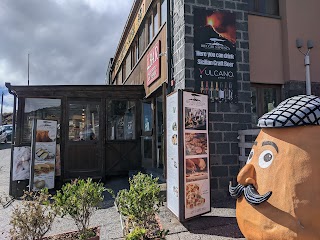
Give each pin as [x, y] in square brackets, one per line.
[215, 60]
[172, 154]
[196, 154]
[44, 150]
[21, 163]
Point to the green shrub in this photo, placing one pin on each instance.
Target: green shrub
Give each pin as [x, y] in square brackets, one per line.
[34, 217]
[79, 200]
[140, 203]
[137, 234]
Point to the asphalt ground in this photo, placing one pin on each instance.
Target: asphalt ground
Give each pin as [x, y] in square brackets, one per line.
[219, 224]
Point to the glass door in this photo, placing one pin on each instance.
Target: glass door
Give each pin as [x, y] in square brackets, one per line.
[160, 131]
[147, 138]
[84, 158]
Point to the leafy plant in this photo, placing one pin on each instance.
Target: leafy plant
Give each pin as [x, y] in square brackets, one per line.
[140, 203]
[79, 200]
[34, 217]
[137, 234]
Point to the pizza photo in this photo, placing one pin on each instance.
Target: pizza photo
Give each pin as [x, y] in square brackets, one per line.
[193, 196]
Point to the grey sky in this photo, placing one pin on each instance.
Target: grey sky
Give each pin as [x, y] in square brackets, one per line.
[69, 41]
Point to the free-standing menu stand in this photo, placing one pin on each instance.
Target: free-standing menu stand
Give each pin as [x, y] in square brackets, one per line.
[43, 154]
[188, 166]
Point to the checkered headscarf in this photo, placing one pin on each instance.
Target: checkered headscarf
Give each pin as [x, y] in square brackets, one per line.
[295, 111]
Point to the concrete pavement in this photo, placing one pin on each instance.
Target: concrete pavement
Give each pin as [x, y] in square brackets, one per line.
[220, 224]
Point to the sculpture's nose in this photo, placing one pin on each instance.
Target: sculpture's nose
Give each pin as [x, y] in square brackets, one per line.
[247, 175]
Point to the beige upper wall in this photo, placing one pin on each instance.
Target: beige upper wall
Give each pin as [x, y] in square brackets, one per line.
[265, 44]
[274, 58]
[301, 20]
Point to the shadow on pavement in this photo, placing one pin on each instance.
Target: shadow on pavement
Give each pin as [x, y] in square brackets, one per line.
[116, 184]
[213, 225]
[5, 145]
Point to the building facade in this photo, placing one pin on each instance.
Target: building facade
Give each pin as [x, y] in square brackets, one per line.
[159, 49]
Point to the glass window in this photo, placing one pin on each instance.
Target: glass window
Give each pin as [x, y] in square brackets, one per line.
[83, 121]
[163, 11]
[142, 42]
[137, 51]
[127, 66]
[40, 108]
[150, 30]
[123, 74]
[270, 7]
[155, 21]
[119, 78]
[121, 120]
[264, 99]
[147, 117]
[133, 55]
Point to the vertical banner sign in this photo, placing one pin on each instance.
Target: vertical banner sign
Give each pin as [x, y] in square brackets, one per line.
[215, 54]
[173, 163]
[196, 155]
[153, 64]
[43, 155]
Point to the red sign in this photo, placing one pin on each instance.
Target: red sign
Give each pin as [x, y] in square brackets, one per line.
[153, 64]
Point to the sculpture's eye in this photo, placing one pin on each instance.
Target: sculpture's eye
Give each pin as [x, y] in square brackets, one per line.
[265, 159]
[250, 156]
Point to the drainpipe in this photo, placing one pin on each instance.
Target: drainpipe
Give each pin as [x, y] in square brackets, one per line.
[169, 44]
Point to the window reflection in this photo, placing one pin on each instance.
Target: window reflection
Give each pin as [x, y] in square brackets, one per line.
[83, 121]
[147, 117]
[40, 108]
[121, 120]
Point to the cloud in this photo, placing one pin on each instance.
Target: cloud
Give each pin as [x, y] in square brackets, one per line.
[69, 41]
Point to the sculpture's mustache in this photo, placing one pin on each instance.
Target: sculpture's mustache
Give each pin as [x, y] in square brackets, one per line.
[250, 194]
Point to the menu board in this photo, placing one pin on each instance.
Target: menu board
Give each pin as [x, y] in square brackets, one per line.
[172, 154]
[196, 154]
[43, 154]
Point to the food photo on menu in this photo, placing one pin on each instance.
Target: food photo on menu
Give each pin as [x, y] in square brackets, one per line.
[42, 154]
[43, 136]
[193, 196]
[174, 126]
[174, 139]
[196, 143]
[196, 169]
[195, 119]
[43, 168]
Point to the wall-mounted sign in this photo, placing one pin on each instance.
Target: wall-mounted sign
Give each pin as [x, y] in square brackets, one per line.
[132, 33]
[188, 164]
[43, 151]
[153, 64]
[215, 63]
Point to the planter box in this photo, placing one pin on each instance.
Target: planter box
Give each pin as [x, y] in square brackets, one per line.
[73, 235]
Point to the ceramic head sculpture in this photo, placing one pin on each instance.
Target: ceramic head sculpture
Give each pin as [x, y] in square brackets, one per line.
[278, 191]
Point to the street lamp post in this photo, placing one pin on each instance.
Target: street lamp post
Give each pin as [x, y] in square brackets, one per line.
[299, 45]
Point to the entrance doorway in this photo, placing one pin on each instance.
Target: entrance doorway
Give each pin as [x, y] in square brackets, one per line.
[147, 137]
[83, 143]
[160, 132]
